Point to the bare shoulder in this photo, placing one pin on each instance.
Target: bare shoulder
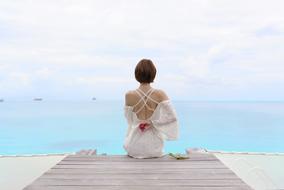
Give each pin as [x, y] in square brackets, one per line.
[129, 93]
[130, 98]
[162, 96]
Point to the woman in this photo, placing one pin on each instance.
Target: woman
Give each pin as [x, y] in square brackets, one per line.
[150, 116]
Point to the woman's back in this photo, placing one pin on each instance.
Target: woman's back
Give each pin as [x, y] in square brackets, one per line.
[144, 101]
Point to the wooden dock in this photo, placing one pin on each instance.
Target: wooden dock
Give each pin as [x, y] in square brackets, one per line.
[119, 172]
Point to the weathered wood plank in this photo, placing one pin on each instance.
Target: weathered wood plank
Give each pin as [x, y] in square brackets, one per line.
[130, 176]
[139, 182]
[108, 187]
[169, 160]
[95, 162]
[141, 170]
[123, 157]
[145, 167]
[192, 155]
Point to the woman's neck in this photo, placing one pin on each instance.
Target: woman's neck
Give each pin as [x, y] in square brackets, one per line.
[145, 86]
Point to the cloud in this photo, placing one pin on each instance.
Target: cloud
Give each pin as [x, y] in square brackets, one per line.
[209, 46]
[105, 80]
[44, 73]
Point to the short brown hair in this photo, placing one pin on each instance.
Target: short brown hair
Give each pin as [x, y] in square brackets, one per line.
[145, 71]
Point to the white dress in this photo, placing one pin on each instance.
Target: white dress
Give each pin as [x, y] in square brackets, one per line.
[164, 126]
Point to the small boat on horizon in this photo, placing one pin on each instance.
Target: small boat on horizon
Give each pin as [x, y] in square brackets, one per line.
[1, 100]
[37, 99]
[94, 98]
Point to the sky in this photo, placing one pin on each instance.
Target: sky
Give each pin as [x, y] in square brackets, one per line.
[203, 49]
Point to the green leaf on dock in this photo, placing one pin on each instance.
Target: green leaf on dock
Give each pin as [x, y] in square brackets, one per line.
[178, 156]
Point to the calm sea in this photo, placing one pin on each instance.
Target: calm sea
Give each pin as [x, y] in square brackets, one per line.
[57, 127]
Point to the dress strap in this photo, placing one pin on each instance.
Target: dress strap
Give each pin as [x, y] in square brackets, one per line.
[148, 96]
[144, 95]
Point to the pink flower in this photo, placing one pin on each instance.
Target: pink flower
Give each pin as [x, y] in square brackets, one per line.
[143, 126]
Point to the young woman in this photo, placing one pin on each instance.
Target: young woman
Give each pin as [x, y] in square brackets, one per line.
[150, 115]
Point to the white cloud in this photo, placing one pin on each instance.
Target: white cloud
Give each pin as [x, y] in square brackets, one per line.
[21, 78]
[44, 73]
[214, 46]
[105, 80]
[196, 66]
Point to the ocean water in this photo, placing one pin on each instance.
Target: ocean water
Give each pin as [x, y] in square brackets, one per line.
[39, 127]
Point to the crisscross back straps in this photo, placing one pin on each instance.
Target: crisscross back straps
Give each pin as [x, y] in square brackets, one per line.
[148, 96]
[142, 96]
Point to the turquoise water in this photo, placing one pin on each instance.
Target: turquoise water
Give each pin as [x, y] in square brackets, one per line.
[57, 126]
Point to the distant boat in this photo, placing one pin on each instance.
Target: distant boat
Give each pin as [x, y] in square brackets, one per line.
[94, 98]
[37, 99]
[1, 100]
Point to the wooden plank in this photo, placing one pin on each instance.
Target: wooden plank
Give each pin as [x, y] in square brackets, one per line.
[127, 159]
[109, 187]
[139, 182]
[145, 167]
[114, 157]
[184, 175]
[92, 159]
[141, 170]
[120, 156]
[95, 162]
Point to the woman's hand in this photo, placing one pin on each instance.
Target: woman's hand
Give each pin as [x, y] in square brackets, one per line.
[144, 126]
